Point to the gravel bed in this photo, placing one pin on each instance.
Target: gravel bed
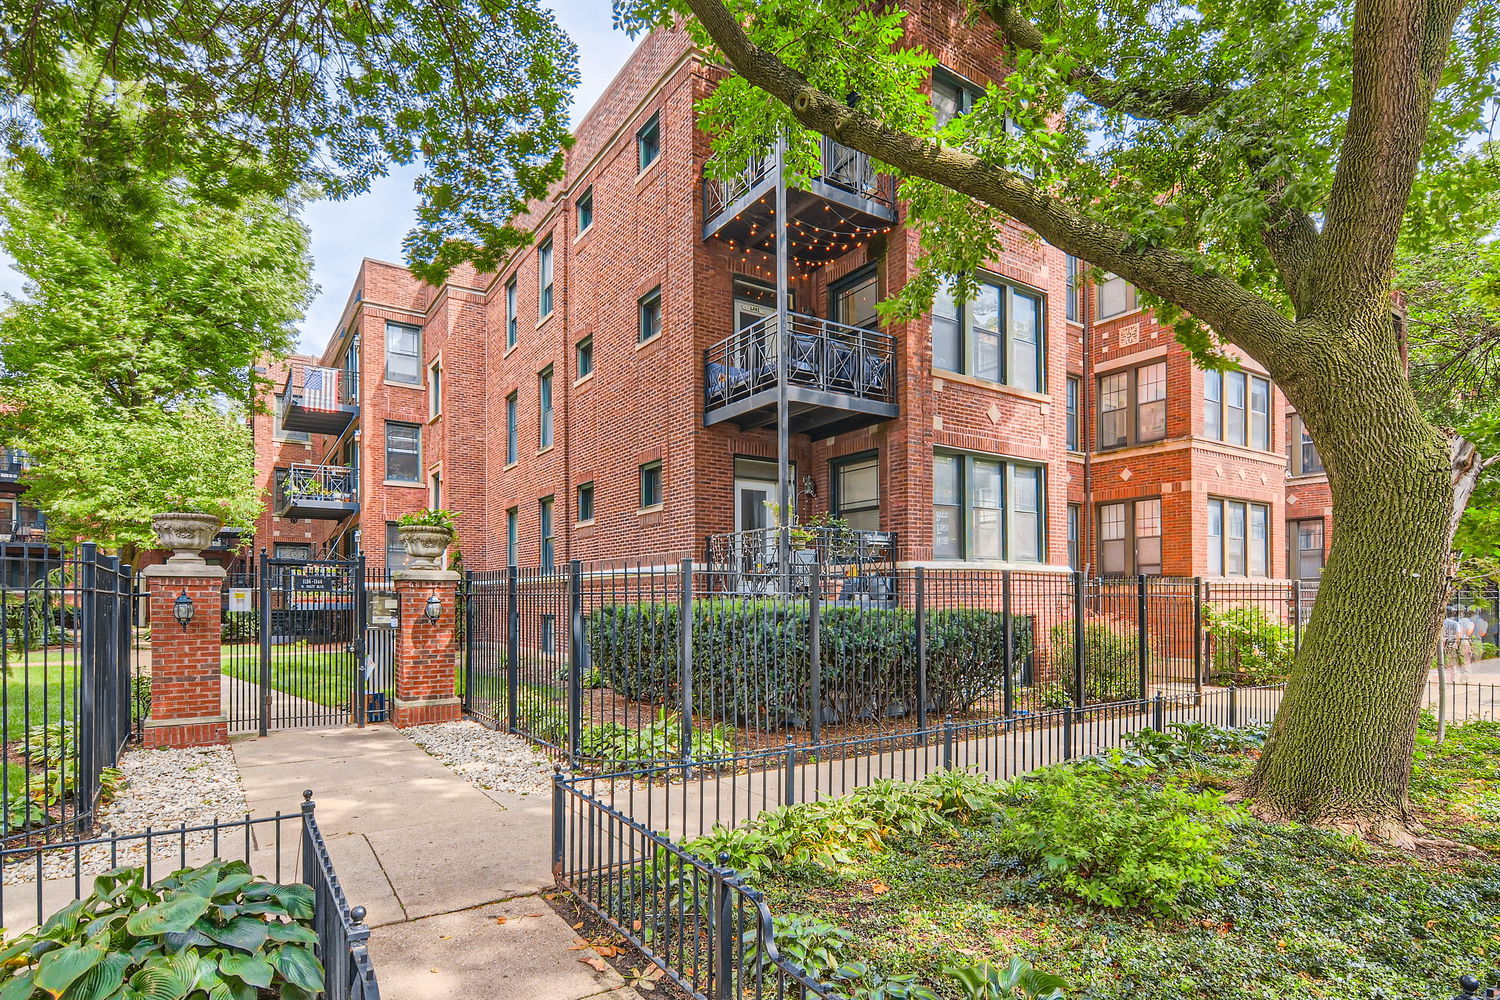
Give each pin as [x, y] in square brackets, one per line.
[163, 789]
[485, 757]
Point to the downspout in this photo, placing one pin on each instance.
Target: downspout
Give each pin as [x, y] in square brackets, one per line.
[1086, 426]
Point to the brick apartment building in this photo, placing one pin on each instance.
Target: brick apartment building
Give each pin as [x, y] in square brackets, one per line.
[609, 393]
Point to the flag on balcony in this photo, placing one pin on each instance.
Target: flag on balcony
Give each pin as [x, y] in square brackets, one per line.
[320, 388]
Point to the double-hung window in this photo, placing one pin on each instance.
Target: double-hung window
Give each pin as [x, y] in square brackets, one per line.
[586, 209]
[1307, 552]
[952, 97]
[544, 401]
[583, 357]
[512, 536]
[435, 389]
[1116, 296]
[856, 491]
[651, 486]
[996, 335]
[1130, 537]
[1239, 538]
[403, 452]
[512, 431]
[544, 278]
[1303, 456]
[1074, 386]
[510, 313]
[648, 143]
[585, 503]
[1237, 408]
[403, 353]
[987, 508]
[1133, 406]
[648, 316]
[549, 542]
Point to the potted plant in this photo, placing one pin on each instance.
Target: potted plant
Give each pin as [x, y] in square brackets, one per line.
[189, 527]
[426, 534]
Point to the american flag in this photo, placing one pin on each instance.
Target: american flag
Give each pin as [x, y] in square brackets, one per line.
[320, 388]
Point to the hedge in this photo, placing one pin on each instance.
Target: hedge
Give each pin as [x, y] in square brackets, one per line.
[751, 658]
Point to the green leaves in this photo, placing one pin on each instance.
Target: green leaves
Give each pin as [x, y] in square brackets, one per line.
[57, 969]
[299, 966]
[1016, 980]
[174, 915]
[251, 969]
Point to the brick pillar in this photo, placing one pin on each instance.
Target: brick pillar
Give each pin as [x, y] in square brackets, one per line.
[426, 652]
[186, 702]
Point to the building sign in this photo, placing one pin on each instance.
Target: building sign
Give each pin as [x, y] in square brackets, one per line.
[239, 599]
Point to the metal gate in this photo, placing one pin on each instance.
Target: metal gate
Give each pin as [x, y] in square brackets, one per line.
[307, 643]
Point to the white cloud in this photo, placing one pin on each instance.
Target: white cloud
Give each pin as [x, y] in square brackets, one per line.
[373, 224]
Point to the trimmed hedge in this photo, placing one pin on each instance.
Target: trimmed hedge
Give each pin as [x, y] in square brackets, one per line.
[751, 660]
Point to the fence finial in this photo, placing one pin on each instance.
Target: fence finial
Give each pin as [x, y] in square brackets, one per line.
[357, 914]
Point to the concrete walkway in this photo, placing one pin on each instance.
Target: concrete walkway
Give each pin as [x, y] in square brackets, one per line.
[450, 875]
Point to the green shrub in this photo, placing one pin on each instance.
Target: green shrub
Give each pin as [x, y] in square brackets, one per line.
[1187, 743]
[1110, 839]
[658, 743]
[1246, 646]
[751, 658]
[198, 934]
[1111, 660]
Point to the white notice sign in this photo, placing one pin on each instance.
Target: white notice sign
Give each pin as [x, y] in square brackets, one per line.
[239, 599]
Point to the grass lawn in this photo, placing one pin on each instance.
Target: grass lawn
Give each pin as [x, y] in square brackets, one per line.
[321, 676]
[37, 689]
[1133, 879]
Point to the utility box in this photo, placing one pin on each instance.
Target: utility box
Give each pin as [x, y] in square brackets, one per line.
[382, 619]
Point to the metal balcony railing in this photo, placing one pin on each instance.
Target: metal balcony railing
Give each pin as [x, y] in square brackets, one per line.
[318, 399]
[22, 531]
[316, 491]
[845, 565]
[844, 169]
[821, 355]
[13, 462]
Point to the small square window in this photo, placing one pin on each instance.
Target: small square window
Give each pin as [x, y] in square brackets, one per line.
[649, 315]
[651, 484]
[585, 357]
[586, 210]
[648, 142]
[586, 502]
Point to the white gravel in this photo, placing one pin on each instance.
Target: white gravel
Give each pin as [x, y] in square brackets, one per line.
[163, 789]
[485, 757]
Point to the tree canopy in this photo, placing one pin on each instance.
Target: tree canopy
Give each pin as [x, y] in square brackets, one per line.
[264, 96]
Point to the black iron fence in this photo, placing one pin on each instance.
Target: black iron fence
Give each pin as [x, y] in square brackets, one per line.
[40, 880]
[66, 704]
[649, 664]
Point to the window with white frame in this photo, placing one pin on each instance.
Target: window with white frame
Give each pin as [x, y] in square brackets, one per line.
[1130, 537]
[403, 353]
[1115, 296]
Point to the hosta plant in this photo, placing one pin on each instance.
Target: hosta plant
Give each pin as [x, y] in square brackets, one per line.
[211, 933]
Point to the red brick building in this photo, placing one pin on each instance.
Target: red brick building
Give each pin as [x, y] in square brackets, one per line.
[609, 393]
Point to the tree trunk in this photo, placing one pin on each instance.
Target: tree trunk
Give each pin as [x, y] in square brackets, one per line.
[1340, 750]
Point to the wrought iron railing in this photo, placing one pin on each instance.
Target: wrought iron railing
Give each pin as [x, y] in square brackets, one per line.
[843, 168]
[820, 354]
[23, 530]
[343, 938]
[758, 551]
[13, 462]
[316, 387]
[313, 483]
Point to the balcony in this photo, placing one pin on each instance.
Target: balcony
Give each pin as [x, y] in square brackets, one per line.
[316, 492]
[227, 540]
[23, 531]
[846, 204]
[838, 377]
[13, 462]
[319, 400]
[845, 565]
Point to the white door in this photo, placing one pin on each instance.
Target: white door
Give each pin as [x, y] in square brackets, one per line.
[750, 499]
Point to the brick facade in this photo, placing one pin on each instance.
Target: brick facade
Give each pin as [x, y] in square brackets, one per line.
[645, 402]
[426, 651]
[185, 662]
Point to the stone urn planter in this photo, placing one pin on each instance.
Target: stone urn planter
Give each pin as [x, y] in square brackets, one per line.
[187, 534]
[425, 544]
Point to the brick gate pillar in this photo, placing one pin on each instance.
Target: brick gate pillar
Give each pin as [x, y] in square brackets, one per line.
[187, 707]
[426, 651]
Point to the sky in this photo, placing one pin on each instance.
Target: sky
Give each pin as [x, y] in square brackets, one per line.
[373, 224]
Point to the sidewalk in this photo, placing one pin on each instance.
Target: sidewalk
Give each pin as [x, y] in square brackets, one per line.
[435, 861]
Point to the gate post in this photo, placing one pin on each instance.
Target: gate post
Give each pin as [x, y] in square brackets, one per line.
[426, 649]
[186, 704]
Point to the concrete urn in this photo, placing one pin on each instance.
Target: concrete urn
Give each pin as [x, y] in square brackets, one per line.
[425, 544]
[187, 534]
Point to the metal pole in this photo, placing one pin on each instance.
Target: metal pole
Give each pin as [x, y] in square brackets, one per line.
[921, 639]
[1197, 640]
[1079, 638]
[576, 655]
[815, 648]
[360, 623]
[783, 341]
[685, 655]
[265, 646]
[86, 749]
[468, 584]
[1143, 651]
[1008, 640]
[512, 650]
[1296, 617]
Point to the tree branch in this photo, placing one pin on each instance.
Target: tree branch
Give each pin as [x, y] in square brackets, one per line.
[1233, 312]
[1136, 99]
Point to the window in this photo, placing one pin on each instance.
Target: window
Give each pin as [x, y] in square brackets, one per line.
[1237, 408]
[856, 491]
[403, 353]
[1116, 296]
[1133, 406]
[403, 452]
[434, 388]
[1307, 554]
[548, 541]
[544, 403]
[1238, 538]
[512, 535]
[549, 635]
[648, 143]
[512, 435]
[986, 508]
[1074, 307]
[583, 357]
[1073, 389]
[952, 97]
[544, 278]
[395, 551]
[1302, 455]
[286, 550]
[435, 491]
[297, 437]
[1075, 523]
[585, 502]
[996, 335]
[1130, 538]
[648, 311]
[510, 313]
[854, 300]
[586, 209]
[651, 484]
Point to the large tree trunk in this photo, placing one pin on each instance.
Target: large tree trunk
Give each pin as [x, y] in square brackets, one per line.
[1341, 746]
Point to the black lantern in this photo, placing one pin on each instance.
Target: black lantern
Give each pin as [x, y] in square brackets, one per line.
[182, 609]
[432, 609]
